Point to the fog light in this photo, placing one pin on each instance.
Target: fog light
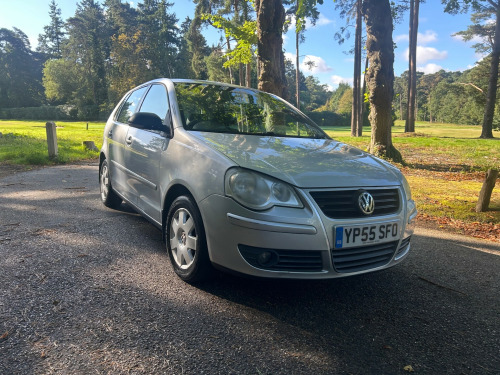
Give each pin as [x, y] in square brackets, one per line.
[267, 258]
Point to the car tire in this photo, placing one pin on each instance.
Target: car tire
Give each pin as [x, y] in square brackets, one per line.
[108, 196]
[186, 242]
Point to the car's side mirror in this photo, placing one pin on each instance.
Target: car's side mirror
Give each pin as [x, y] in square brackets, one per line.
[147, 121]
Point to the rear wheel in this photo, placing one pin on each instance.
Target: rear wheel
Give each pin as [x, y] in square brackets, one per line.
[108, 196]
[186, 242]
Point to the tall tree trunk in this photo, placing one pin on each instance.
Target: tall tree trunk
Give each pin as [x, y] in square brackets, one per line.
[297, 71]
[380, 76]
[230, 69]
[248, 75]
[362, 100]
[271, 62]
[241, 75]
[412, 66]
[356, 86]
[430, 108]
[491, 96]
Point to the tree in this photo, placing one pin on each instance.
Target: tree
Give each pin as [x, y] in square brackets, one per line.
[380, 76]
[62, 81]
[270, 58]
[159, 36]
[50, 42]
[301, 10]
[88, 46]
[352, 10]
[333, 103]
[215, 68]
[484, 9]
[20, 70]
[197, 48]
[412, 67]
[127, 67]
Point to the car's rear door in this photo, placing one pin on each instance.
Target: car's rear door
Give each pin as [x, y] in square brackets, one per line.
[146, 147]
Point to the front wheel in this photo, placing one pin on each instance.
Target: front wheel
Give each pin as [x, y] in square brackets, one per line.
[108, 196]
[186, 242]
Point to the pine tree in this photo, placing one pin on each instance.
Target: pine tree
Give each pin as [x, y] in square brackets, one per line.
[50, 42]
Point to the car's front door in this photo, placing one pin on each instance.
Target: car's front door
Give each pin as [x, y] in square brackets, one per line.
[146, 147]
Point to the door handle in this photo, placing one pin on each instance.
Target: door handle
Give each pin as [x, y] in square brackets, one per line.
[128, 140]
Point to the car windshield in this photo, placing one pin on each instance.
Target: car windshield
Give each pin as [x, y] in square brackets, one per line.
[226, 109]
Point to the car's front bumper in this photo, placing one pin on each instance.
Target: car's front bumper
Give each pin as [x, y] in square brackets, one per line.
[298, 242]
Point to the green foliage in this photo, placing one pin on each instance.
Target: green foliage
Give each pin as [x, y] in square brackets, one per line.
[333, 103]
[50, 42]
[245, 36]
[20, 70]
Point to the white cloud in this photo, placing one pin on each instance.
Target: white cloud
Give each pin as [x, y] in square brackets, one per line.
[422, 39]
[429, 37]
[479, 56]
[338, 80]
[401, 37]
[429, 68]
[425, 54]
[290, 56]
[320, 65]
[330, 87]
[321, 21]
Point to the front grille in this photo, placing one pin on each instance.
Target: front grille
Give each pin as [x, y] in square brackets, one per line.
[284, 260]
[357, 259]
[342, 204]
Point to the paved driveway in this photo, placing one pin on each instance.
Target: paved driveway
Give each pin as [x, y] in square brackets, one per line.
[88, 290]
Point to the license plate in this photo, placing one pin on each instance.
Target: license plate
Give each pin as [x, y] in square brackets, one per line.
[360, 235]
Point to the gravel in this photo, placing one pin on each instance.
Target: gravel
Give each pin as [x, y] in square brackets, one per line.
[85, 289]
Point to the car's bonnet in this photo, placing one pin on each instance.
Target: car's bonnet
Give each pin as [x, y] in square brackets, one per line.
[308, 163]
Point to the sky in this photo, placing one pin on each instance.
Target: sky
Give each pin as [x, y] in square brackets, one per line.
[437, 47]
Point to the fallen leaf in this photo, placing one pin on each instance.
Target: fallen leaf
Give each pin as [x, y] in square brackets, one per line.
[4, 336]
[408, 368]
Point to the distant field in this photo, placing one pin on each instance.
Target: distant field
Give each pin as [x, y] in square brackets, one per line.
[24, 142]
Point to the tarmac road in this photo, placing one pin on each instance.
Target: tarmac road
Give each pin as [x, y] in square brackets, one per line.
[89, 290]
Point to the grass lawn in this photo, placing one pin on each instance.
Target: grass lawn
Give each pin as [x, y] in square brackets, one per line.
[445, 162]
[435, 146]
[24, 142]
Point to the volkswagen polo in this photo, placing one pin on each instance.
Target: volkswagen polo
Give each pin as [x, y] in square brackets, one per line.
[240, 180]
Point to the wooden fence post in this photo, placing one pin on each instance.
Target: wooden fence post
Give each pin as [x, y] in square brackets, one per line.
[50, 128]
[485, 194]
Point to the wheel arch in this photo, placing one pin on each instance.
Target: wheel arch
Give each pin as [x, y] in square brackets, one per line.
[102, 157]
[172, 194]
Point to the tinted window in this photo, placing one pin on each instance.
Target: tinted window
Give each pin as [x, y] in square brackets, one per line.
[156, 101]
[130, 105]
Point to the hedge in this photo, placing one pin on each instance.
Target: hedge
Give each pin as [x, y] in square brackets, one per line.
[327, 118]
[55, 113]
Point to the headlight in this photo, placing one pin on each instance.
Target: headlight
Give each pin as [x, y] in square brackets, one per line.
[257, 191]
[406, 187]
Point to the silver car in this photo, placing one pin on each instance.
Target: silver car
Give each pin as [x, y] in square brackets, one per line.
[240, 180]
